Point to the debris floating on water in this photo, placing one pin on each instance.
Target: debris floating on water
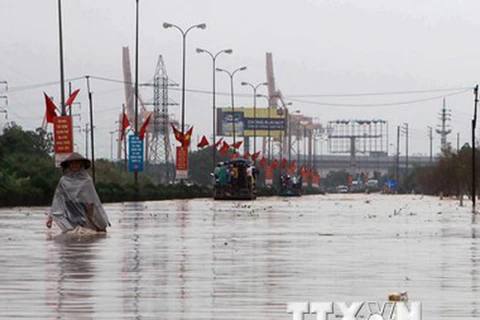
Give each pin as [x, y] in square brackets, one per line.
[398, 296]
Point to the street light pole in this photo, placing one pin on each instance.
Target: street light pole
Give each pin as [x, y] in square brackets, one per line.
[474, 126]
[290, 147]
[269, 145]
[406, 149]
[62, 75]
[430, 136]
[135, 173]
[231, 74]
[111, 144]
[92, 127]
[269, 139]
[167, 25]
[254, 88]
[214, 106]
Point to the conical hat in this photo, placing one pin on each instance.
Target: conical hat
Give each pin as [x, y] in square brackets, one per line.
[75, 157]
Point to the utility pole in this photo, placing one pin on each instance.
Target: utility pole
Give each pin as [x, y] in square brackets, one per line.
[305, 151]
[269, 139]
[298, 144]
[310, 155]
[430, 136]
[405, 128]
[3, 95]
[289, 136]
[474, 124]
[87, 130]
[458, 142]
[111, 144]
[92, 137]
[397, 173]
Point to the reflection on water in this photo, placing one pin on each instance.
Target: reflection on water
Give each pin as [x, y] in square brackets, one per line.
[199, 259]
[72, 292]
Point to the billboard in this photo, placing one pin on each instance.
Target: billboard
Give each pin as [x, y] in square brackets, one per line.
[265, 120]
[135, 152]
[181, 164]
[63, 138]
[360, 136]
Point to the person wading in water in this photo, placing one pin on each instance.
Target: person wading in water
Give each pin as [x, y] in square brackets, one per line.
[76, 202]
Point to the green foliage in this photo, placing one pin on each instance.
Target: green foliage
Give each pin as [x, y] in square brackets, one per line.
[335, 178]
[450, 175]
[27, 174]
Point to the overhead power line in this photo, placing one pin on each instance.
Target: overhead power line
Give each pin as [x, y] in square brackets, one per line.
[293, 98]
[384, 104]
[342, 95]
[40, 85]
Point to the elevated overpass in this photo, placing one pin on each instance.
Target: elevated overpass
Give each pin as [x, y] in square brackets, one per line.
[327, 163]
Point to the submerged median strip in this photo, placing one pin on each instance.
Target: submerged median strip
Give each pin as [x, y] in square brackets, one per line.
[113, 192]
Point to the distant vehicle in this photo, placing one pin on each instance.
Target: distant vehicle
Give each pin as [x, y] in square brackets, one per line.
[372, 183]
[290, 186]
[235, 180]
[342, 189]
[188, 183]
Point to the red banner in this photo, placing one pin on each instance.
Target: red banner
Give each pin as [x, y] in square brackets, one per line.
[316, 179]
[182, 159]
[63, 134]
[305, 176]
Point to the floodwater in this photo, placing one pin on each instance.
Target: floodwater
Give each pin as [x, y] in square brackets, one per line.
[200, 259]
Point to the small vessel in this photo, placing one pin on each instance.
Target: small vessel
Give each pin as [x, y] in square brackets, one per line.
[235, 180]
[290, 186]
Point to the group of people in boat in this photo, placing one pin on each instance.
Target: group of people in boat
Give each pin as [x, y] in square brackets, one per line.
[290, 184]
[235, 174]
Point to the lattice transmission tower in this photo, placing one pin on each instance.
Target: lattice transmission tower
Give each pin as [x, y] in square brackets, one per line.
[444, 116]
[160, 151]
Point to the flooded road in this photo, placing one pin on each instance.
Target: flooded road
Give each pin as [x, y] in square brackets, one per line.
[200, 259]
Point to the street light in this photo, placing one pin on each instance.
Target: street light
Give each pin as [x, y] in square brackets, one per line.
[62, 74]
[167, 25]
[231, 74]
[214, 107]
[268, 125]
[286, 130]
[111, 144]
[254, 110]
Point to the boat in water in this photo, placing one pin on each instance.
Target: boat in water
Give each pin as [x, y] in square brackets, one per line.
[290, 186]
[235, 180]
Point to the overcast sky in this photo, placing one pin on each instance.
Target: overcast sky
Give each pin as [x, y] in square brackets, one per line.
[319, 47]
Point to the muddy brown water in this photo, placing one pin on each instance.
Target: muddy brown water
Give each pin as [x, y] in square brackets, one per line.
[202, 259]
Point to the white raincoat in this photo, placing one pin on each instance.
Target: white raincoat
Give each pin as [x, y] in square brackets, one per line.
[76, 203]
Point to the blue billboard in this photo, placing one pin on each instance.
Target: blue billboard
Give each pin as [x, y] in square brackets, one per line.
[135, 153]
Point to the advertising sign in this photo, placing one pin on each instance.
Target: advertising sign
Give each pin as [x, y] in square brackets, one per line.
[181, 164]
[391, 184]
[266, 121]
[63, 138]
[135, 152]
